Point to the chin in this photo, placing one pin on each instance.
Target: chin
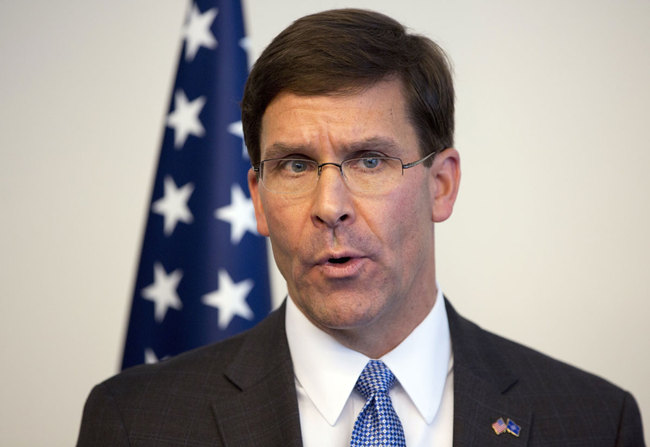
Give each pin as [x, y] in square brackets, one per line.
[346, 313]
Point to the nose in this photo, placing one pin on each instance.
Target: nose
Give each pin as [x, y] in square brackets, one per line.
[332, 202]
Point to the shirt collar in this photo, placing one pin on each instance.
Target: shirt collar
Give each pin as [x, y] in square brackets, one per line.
[328, 371]
[422, 361]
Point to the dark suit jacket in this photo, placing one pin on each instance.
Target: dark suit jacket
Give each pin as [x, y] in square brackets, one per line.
[241, 392]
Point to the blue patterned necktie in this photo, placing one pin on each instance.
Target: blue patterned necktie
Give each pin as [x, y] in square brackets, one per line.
[377, 424]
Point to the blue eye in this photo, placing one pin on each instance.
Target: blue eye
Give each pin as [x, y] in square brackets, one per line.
[370, 163]
[293, 165]
[297, 166]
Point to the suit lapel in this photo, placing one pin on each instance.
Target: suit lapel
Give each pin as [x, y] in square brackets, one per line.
[263, 409]
[482, 381]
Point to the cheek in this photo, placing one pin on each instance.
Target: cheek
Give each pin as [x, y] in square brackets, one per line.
[403, 222]
[285, 223]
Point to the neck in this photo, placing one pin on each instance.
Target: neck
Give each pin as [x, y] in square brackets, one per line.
[382, 335]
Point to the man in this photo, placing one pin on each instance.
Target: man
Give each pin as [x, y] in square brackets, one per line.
[349, 124]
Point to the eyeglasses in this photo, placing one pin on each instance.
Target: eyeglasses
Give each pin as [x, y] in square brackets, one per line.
[372, 174]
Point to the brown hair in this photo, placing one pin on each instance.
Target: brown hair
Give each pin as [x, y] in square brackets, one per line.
[343, 51]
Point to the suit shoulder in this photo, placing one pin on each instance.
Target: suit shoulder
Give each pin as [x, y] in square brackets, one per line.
[185, 370]
[507, 377]
[181, 370]
[495, 355]
[532, 363]
[146, 402]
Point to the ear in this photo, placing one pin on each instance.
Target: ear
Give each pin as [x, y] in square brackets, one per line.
[253, 187]
[445, 173]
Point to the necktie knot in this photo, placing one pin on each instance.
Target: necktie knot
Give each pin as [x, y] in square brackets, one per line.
[377, 425]
[375, 378]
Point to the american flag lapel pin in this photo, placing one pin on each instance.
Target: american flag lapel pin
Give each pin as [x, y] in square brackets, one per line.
[499, 426]
[513, 428]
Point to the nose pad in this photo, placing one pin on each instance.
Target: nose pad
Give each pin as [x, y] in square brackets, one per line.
[332, 204]
[334, 175]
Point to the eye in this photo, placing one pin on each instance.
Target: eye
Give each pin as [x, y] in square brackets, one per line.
[370, 162]
[367, 163]
[294, 166]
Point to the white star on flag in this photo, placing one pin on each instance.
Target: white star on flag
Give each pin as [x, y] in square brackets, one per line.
[245, 44]
[197, 32]
[230, 299]
[184, 119]
[237, 130]
[163, 291]
[240, 214]
[150, 357]
[173, 205]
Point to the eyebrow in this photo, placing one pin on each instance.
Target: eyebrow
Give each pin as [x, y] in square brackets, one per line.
[379, 144]
[281, 150]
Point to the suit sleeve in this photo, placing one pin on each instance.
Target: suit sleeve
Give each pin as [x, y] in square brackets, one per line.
[630, 428]
[102, 423]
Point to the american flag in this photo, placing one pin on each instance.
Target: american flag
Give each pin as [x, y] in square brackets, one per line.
[499, 426]
[203, 272]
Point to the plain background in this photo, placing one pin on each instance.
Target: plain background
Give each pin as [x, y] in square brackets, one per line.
[548, 244]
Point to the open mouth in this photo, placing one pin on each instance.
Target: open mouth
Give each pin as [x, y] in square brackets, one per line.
[342, 260]
[342, 267]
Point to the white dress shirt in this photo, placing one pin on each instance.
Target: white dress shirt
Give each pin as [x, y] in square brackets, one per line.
[327, 371]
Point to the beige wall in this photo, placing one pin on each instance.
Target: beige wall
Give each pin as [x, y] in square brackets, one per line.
[548, 245]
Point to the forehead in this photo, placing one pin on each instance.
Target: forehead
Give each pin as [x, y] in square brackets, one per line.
[333, 124]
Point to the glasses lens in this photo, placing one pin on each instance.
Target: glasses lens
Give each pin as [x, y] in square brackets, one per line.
[289, 175]
[372, 174]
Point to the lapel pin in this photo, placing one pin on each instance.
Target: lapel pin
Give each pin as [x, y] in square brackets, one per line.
[513, 428]
[499, 426]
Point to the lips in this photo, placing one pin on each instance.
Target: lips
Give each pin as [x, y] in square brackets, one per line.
[337, 257]
[341, 265]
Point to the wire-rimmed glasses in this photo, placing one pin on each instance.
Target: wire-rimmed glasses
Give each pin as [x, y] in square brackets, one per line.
[371, 174]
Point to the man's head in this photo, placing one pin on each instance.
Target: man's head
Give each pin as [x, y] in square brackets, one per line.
[339, 184]
[345, 51]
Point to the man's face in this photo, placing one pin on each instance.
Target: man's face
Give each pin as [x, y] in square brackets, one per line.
[359, 265]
